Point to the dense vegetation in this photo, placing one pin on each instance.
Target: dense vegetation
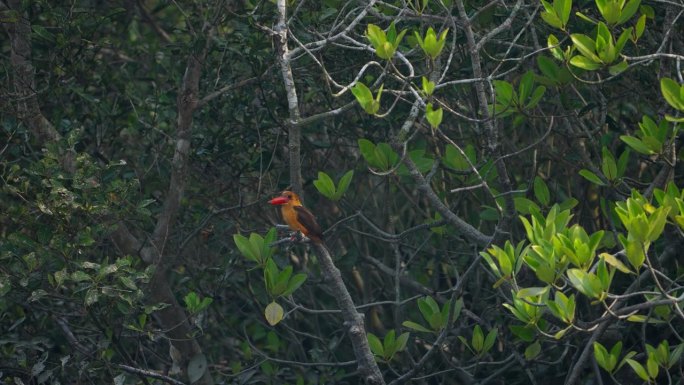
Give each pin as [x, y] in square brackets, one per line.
[499, 183]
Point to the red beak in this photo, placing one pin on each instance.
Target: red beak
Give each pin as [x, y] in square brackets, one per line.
[278, 201]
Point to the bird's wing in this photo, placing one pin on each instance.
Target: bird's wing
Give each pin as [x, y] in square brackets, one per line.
[307, 220]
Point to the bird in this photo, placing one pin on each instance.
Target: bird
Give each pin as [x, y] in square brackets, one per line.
[298, 217]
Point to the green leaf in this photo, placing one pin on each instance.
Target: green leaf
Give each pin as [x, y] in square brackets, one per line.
[274, 313]
[602, 357]
[434, 117]
[477, 341]
[652, 367]
[608, 165]
[367, 149]
[344, 184]
[622, 40]
[362, 93]
[504, 92]
[365, 98]
[613, 261]
[525, 333]
[552, 19]
[532, 292]
[640, 27]
[400, 344]
[375, 345]
[548, 68]
[591, 177]
[281, 281]
[427, 307]
[586, 46]
[490, 340]
[532, 350]
[416, 326]
[294, 284]
[553, 44]
[628, 11]
[673, 93]
[246, 248]
[636, 144]
[585, 63]
[622, 162]
[618, 68]
[428, 86]
[536, 97]
[325, 185]
[638, 369]
[525, 86]
[563, 8]
[541, 191]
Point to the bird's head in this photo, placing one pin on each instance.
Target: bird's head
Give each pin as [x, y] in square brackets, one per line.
[286, 197]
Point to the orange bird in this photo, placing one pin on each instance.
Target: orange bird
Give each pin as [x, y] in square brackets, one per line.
[298, 217]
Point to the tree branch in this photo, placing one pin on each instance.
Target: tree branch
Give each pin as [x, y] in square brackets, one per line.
[294, 130]
[368, 368]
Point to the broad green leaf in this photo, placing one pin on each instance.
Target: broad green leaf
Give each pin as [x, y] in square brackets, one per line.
[362, 93]
[416, 326]
[434, 117]
[325, 185]
[532, 350]
[541, 191]
[652, 367]
[490, 340]
[400, 344]
[672, 93]
[552, 19]
[602, 357]
[428, 86]
[586, 46]
[618, 68]
[536, 97]
[585, 63]
[639, 318]
[591, 177]
[477, 341]
[375, 345]
[640, 27]
[526, 83]
[628, 11]
[532, 292]
[427, 307]
[294, 284]
[344, 184]
[608, 165]
[638, 369]
[504, 92]
[613, 261]
[553, 43]
[547, 67]
[367, 149]
[636, 144]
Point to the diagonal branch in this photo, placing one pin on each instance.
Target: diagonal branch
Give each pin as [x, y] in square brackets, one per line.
[368, 368]
[423, 185]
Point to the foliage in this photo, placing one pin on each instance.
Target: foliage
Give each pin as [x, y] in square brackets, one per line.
[500, 186]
